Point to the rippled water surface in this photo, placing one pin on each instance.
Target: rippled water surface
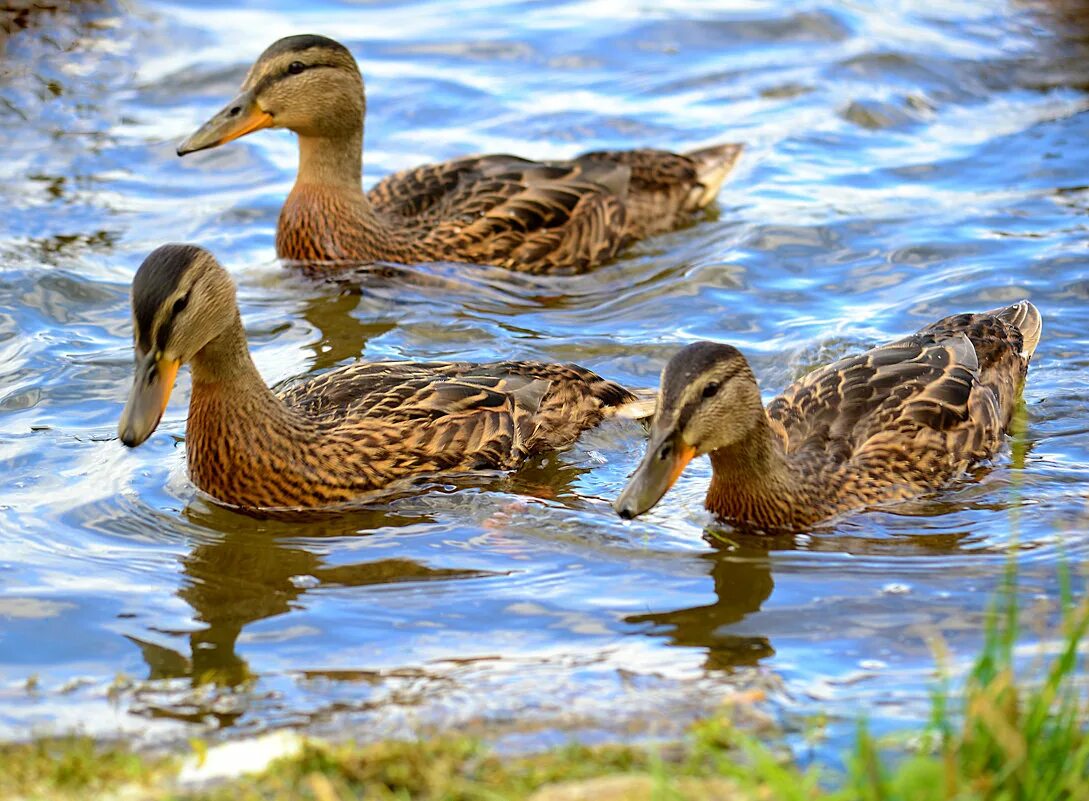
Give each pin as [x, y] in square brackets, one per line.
[902, 163]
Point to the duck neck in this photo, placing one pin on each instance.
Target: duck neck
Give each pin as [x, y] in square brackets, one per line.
[237, 429]
[752, 478]
[334, 163]
[225, 362]
[328, 219]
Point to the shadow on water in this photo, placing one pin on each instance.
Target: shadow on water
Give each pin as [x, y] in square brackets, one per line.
[357, 305]
[249, 568]
[344, 336]
[742, 569]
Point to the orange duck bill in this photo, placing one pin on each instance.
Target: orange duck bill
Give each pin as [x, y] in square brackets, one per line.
[662, 465]
[239, 117]
[151, 387]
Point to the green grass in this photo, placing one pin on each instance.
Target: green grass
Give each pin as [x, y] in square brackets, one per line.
[1004, 736]
[74, 767]
[1013, 737]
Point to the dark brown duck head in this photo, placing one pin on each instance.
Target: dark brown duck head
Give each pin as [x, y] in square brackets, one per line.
[708, 401]
[182, 299]
[308, 84]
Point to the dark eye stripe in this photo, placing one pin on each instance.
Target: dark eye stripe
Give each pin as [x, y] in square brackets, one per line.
[269, 80]
[151, 288]
[689, 408]
[163, 335]
[686, 413]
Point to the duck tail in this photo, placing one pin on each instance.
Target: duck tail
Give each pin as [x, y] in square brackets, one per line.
[640, 407]
[713, 164]
[1025, 318]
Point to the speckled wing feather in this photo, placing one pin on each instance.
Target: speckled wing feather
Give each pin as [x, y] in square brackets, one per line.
[439, 415]
[435, 188]
[930, 403]
[666, 187]
[660, 182]
[896, 388]
[555, 217]
[1002, 347]
[554, 228]
[538, 217]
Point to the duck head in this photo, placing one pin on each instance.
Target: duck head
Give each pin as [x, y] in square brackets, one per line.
[308, 84]
[709, 400]
[182, 299]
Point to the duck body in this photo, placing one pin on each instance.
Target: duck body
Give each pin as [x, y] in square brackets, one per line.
[553, 217]
[328, 439]
[362, 427]
[885, 425]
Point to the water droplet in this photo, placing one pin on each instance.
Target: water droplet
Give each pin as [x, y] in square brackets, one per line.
[895, 588]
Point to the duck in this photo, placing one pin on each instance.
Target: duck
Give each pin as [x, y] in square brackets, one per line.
[876, 427]
[538, 217]
[328, 439]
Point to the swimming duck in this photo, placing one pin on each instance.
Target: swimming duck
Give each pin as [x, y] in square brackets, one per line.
[555, 217]
[327, 439]
[883, 425]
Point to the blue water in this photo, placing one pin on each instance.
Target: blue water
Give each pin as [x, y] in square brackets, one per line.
[902, 163]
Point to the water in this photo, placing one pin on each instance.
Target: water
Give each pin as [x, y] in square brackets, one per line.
[901, 164]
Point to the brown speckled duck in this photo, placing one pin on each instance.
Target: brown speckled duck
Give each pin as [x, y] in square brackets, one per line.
[884, 425]
[328, 439]
[557, 217]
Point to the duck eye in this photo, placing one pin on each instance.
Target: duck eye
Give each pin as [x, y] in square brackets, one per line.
[665, 451]
[295, 67]
[181, 303]
[710, 390]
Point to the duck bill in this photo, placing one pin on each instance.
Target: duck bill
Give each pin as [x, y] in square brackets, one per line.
[239, 117]
[654, 476]
[151, 387]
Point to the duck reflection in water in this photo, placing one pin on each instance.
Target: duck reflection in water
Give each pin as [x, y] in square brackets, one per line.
[355, 307]
[742, 583]
[250, 573]
[343, 334]
[256, 569]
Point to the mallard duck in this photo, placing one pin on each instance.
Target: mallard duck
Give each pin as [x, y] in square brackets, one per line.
[327, 439]
[883, 425]
[553, 217]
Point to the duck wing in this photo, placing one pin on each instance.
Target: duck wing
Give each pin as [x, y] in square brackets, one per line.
[537, 217]
[893, 391]
[1004, 340]
[667, 188]
[419, 416]
[945, 393]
